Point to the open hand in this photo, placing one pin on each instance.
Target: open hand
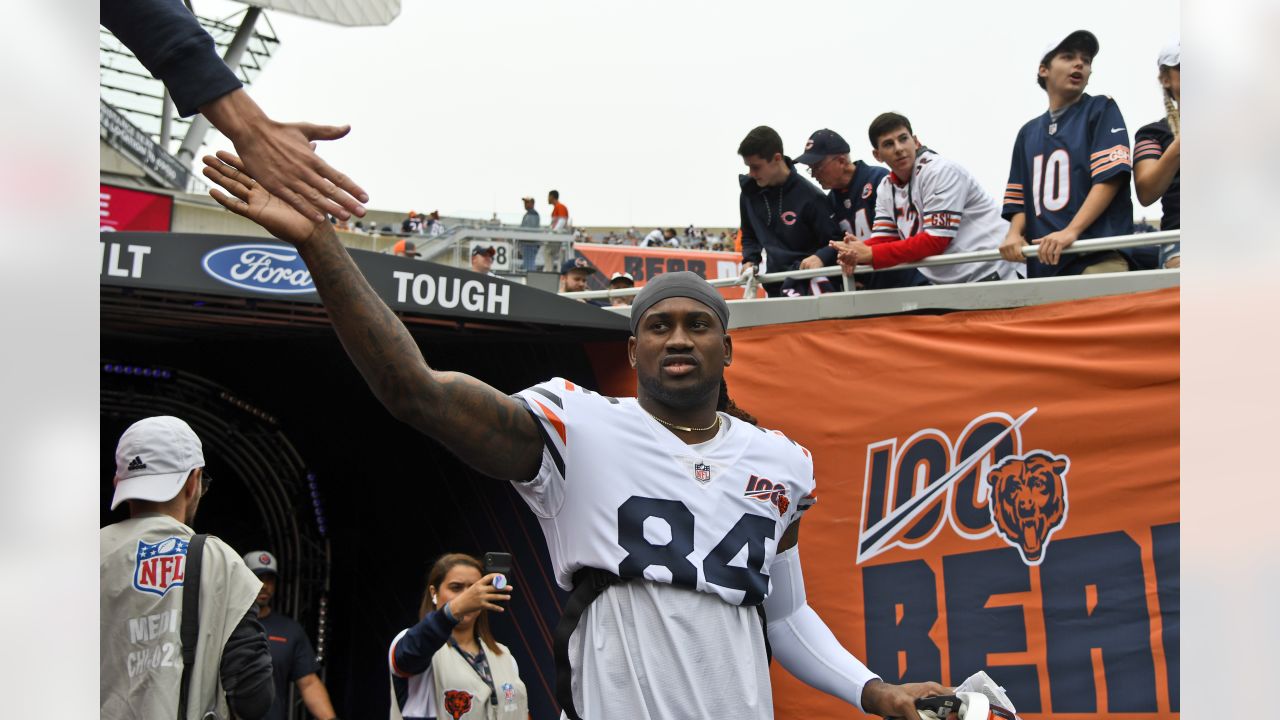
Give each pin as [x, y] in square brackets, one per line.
[251, 200]
[282, 156]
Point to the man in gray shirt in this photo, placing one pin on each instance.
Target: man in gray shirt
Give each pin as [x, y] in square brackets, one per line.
[529, 250]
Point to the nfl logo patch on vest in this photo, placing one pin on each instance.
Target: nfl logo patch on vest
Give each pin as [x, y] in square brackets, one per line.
[702, 473]
[160, 566]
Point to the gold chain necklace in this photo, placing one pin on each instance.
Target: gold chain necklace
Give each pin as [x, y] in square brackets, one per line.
[683, 428]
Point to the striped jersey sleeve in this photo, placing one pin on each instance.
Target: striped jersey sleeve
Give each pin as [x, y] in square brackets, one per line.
[1109, 153]
[884, 226]
[943, 188]
[1014, 191]
[1150, 142]
[807, 493]
[549, 404]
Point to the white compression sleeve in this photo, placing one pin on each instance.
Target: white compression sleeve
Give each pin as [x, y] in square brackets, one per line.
[803, 643]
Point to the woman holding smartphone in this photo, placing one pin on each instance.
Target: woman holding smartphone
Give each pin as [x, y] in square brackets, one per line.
[448, 666]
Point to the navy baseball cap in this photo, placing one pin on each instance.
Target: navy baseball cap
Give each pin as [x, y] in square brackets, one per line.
[822, 143]
[577, 263]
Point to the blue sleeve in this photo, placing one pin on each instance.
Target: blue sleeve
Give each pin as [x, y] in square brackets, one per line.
[304, 655]
[168, 40]
[1016, 189]
[824, 227]
[1108, 144]
[750, 243]
[412, 653]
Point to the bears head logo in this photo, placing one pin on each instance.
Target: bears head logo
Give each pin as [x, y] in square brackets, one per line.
[457, 703]
[1028, 500]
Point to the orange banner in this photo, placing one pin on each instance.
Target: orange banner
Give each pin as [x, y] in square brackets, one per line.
[644, 263]
[997, 491]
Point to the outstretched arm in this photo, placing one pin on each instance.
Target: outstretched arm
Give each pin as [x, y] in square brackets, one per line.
[805, 646]
[487, 429]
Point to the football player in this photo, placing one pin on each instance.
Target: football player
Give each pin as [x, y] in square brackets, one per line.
[672, 523]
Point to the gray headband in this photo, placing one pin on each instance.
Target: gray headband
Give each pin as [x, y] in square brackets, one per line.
[678, 284]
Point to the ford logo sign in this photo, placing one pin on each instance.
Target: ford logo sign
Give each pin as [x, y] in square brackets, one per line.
[265, 268]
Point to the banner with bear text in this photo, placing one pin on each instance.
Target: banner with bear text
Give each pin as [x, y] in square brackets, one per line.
[997, 491]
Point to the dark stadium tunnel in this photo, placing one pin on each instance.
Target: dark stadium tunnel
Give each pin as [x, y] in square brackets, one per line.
[392, 499]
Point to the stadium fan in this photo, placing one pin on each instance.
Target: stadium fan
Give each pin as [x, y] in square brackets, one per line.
[559, 213]
[482, 259]
[784, 218]
[405, 248]
[1069, 178]
[664, 620]
[927, 206]
[621, 281]
[1157, 153]
[852, 187]
[449, 664]
[168, 40]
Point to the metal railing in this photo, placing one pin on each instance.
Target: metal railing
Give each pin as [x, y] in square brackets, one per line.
[750, 281]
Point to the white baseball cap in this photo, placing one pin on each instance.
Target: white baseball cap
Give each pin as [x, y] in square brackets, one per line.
[1061, 39]
[153, 459]
[261, 562]
[1171, 54]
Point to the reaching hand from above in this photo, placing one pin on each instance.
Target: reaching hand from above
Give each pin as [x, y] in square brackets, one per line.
[251, 200]
[282, 157]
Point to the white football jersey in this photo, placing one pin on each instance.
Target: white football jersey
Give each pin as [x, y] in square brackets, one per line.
[620, 492]
[944, 200]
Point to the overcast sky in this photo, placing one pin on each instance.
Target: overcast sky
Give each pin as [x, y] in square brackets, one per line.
[634, 110]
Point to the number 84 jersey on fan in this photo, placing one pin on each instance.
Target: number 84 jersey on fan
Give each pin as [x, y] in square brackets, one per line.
[620, 492]
[1057, 159]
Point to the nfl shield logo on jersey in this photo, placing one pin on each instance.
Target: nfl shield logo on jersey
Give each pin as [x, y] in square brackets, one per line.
[702, 473]
[160, 566]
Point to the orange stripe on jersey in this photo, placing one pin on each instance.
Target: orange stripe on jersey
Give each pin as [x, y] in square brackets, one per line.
[392, 657]
[555, 421]
[1104, 168]
[1108, 151]
[1013, 186]
[568, 386]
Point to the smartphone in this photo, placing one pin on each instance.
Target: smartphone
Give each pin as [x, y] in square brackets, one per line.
[497, 562]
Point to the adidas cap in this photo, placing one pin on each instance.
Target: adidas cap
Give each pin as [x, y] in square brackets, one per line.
[262, 562]
[154, 458]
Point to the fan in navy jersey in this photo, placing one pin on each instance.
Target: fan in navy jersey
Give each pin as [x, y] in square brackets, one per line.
[1069, 179]
[851, 186]
[1157, 153]
[672, 522]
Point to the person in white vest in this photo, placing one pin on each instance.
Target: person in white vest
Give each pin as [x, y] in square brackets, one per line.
[449, 665]
[160, 473]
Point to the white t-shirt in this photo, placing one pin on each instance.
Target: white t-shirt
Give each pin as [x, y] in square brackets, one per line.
[700, 524]
[944, 200]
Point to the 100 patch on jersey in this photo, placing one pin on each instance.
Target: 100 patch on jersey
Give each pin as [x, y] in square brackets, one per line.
[160, 566]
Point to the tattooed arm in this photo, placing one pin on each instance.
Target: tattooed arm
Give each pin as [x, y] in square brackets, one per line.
[486, 428]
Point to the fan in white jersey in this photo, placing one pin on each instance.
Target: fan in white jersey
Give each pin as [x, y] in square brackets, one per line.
[927, 206]
[694, 513]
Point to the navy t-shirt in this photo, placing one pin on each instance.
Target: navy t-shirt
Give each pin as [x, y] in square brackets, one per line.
[292, 657]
